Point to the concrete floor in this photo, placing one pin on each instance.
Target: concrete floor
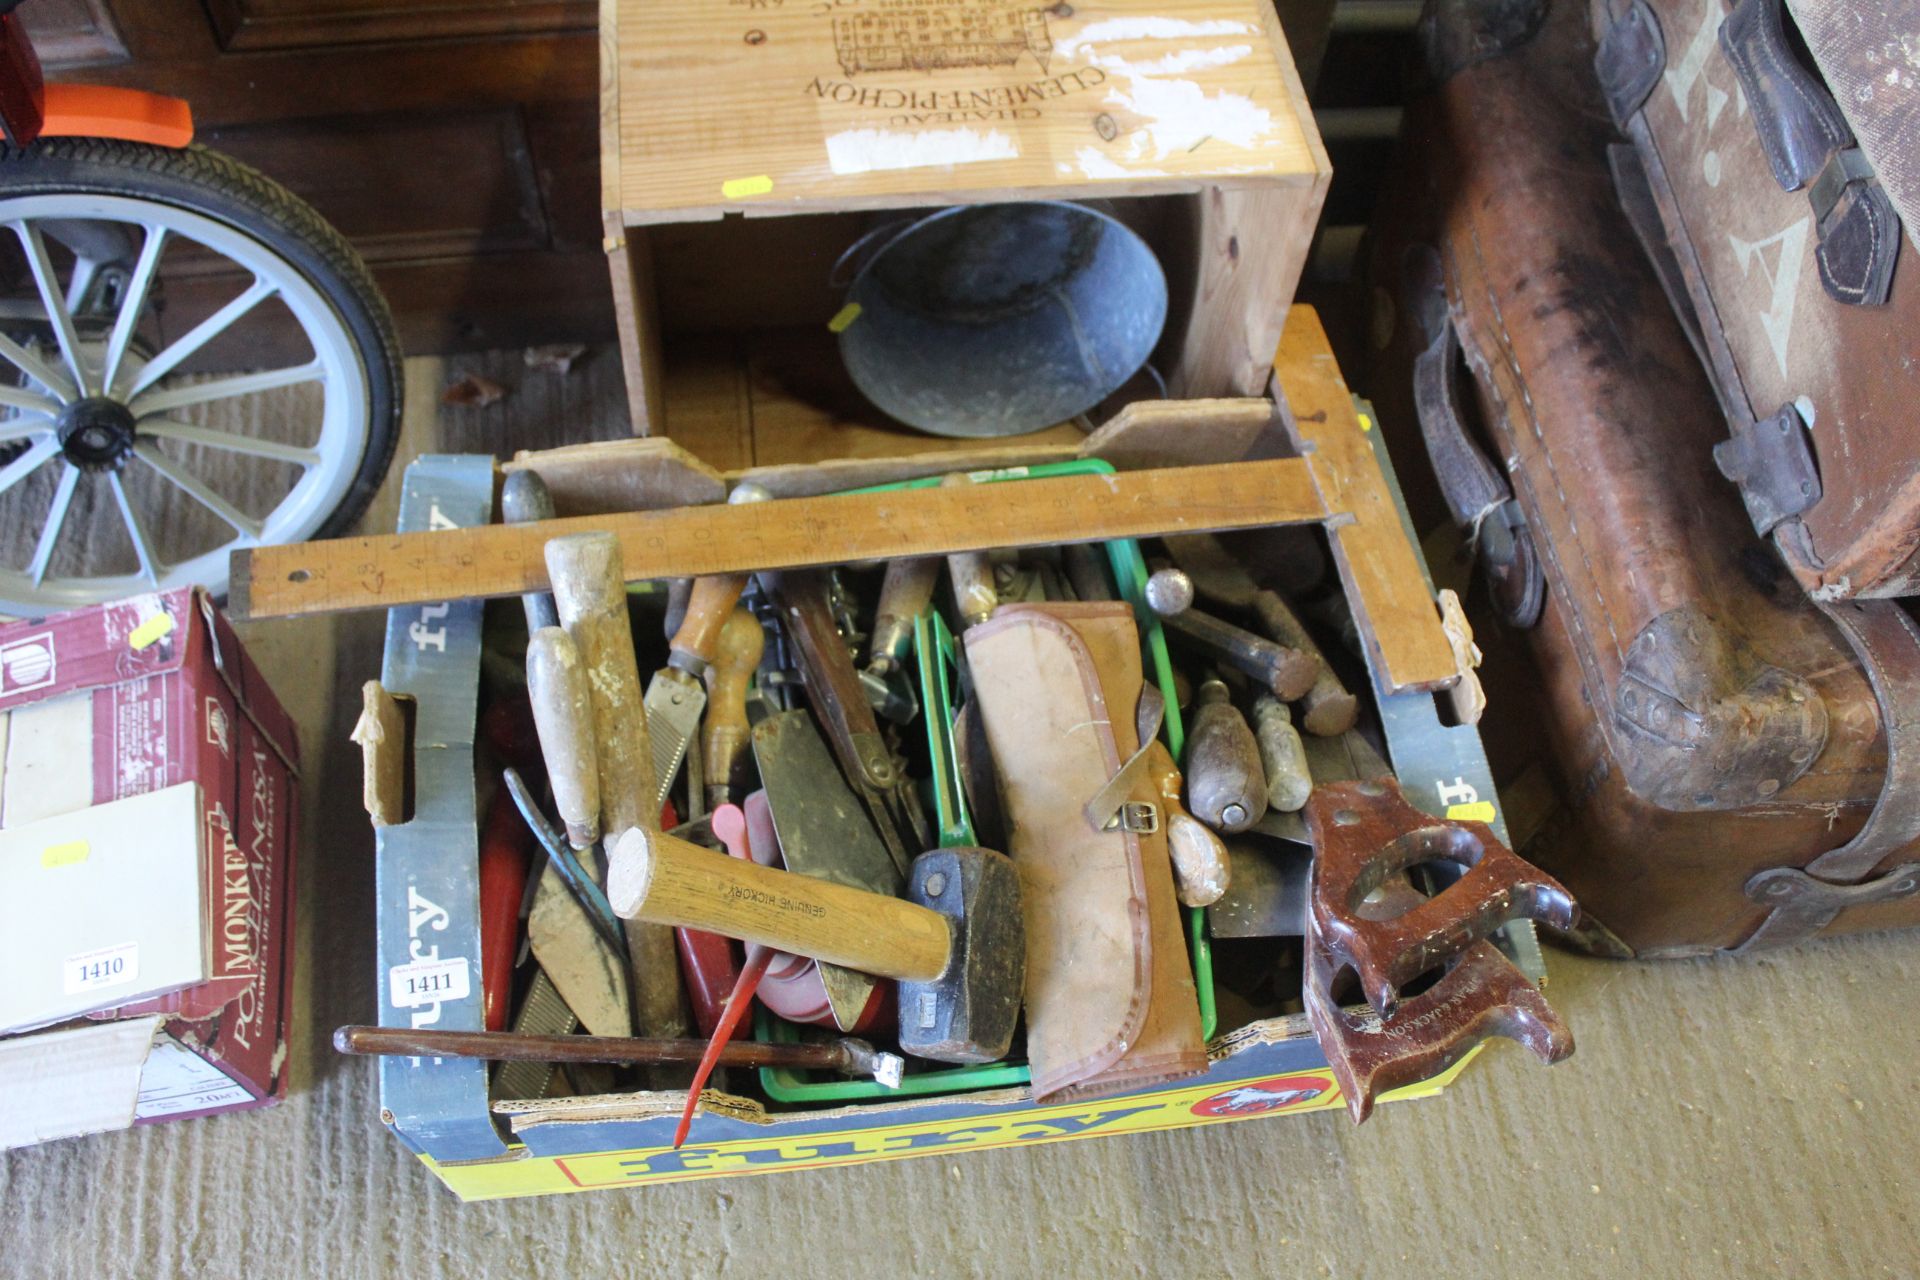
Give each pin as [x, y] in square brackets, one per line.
[1720, 1118]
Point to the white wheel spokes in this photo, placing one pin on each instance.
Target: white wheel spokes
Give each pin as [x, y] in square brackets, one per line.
[27, 463]
[132, 302]
[187, 433]
[24, 427]
[159, 402]
[56, 519]
[51, 298]
[201, 334]
[142, 547]
[28, 401]
[189, 484]
[37, 369]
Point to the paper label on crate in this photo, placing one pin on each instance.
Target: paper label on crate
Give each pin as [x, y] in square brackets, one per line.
[177, 1080]
[424, 982]
[97, 970]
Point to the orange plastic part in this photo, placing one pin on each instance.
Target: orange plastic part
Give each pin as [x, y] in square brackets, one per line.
[95, 111]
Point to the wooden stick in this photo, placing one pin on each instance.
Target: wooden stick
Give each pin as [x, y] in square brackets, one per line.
[497, 560]
[850, 1056]
[664, 879]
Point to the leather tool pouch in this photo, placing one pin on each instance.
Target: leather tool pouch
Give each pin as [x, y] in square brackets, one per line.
[1110, 997]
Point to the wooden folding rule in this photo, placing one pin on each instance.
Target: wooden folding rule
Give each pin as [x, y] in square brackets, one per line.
[1337, 483]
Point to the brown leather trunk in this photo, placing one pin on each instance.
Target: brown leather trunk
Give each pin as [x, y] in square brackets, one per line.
[1785, 250]
[1710, 725]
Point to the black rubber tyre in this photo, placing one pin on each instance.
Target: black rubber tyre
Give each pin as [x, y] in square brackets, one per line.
[218, 187]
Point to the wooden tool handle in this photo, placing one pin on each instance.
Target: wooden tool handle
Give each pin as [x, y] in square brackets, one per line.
[708, 607]
[1282, 755]
[1087, 570]
[1288, 672]
[971, 572]
[1201, 871]
[974, 594]
[833, 686]
[664, 879]
[904, 595]
[1226, 788]
[1327, 710]
[727, 745]
[563, 715]
[589, 588]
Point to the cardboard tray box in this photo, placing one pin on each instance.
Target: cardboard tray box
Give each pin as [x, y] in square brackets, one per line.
[120, 700]
[428, 911]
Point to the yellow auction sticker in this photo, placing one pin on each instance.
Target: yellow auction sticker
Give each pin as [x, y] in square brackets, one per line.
[65, 854]
[152, 631]
[1478, 811]
[758, 185]
[843, 317]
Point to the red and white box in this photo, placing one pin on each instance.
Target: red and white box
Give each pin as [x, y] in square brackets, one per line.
[96, 707]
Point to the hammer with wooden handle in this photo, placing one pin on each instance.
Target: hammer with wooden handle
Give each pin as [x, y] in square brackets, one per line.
[957, 946]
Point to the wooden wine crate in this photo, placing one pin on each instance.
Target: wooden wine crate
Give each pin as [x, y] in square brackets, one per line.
[746, 144]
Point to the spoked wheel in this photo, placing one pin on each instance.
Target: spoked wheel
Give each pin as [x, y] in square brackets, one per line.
[191, 362]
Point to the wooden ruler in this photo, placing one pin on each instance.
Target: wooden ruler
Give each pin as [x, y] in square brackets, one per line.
[1392, 602]
[500, 560]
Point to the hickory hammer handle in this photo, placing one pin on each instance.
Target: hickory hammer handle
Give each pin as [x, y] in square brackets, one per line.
[663, 879]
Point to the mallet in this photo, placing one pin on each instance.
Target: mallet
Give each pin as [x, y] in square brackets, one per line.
[956, 947]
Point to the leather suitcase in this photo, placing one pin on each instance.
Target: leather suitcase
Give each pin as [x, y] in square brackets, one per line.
[1737, 763]
[1761, 194]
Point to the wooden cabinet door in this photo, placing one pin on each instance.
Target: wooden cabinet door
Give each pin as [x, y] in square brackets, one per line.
[453, 141]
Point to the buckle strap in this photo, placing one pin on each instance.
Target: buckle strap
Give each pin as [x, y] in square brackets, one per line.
[1112, 806]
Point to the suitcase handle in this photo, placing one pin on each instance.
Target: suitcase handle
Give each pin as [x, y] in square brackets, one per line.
[1808, 144]
[1476, 492]
[1798, 121]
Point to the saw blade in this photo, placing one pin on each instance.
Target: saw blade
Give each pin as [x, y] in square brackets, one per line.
[824, 831]
[542, 1013]
[674, 702]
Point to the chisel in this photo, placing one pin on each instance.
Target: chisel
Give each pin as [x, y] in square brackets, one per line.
[904, 595]
[582, 976]
[727, 743]
[589, 588]
[676, 697]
